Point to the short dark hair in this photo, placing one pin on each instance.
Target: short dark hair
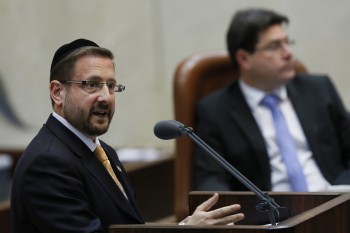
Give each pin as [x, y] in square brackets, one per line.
[246, 26]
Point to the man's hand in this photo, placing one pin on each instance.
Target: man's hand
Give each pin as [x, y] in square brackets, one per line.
[221, 216]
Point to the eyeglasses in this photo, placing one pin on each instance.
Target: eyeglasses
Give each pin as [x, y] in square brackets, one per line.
[94, 86]
[277, 46]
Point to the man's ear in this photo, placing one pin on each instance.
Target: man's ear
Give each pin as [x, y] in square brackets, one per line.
[57, 92]
[243, 59]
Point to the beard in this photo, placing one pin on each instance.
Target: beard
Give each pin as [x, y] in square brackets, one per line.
[89, 122]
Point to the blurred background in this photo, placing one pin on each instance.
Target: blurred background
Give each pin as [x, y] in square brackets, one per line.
[149, 38]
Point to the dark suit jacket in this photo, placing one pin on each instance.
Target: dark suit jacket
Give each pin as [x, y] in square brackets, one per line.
[60, 186]
[225, 122]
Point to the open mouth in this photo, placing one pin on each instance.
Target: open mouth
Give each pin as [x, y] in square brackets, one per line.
[100, 113]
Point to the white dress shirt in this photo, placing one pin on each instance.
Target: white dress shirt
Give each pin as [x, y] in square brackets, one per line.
[279, 177]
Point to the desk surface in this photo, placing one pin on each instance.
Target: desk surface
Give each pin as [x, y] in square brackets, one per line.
[163, 156]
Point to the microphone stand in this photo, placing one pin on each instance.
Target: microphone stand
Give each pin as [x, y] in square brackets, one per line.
[266, 204]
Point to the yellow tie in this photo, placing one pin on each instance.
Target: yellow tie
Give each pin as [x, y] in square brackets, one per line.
[101, 155]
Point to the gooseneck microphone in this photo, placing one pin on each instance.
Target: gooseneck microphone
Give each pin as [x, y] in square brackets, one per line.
[171, 129]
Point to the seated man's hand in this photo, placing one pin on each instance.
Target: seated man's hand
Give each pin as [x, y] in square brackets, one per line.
[220, 216]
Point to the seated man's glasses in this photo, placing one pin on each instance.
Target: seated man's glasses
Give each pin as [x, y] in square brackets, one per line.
[277, 46]
[94, 86]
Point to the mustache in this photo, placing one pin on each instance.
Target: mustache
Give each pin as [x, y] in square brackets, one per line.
[102, 106]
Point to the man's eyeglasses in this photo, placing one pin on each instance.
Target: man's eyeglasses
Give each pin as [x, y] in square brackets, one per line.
[277, 46]
[94, 86]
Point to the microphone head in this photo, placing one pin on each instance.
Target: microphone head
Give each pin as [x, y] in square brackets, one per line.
[168, 129]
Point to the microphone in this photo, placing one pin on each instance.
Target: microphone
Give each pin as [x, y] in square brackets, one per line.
[170, 129]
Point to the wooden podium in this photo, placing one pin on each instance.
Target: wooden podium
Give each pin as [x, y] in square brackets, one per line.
[309, 212]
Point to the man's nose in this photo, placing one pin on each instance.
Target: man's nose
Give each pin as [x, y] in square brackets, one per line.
[287, 50]
[104, 91]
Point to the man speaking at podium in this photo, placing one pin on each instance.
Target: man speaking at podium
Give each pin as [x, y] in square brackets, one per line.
[284, 131]
[68, 180]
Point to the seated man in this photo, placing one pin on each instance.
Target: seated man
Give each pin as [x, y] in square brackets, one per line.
[283, 131]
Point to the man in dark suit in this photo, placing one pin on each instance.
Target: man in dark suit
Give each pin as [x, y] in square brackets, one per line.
[61, 182]
[237, 123]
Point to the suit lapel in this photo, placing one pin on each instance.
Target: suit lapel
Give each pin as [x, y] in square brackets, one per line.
[242, 114]
[97, 170]
[301, 102]
[122, 177]
[94, 167]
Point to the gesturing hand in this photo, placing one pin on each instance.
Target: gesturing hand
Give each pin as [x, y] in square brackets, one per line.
[220, 216]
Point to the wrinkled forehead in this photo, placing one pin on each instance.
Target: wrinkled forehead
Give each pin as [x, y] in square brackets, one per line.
[94, 67]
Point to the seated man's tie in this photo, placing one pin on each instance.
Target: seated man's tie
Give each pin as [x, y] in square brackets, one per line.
[286, 145]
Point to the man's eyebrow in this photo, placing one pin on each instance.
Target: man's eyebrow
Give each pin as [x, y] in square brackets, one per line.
[279, 40]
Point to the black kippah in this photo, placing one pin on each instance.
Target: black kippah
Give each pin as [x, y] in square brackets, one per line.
[66, 49]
